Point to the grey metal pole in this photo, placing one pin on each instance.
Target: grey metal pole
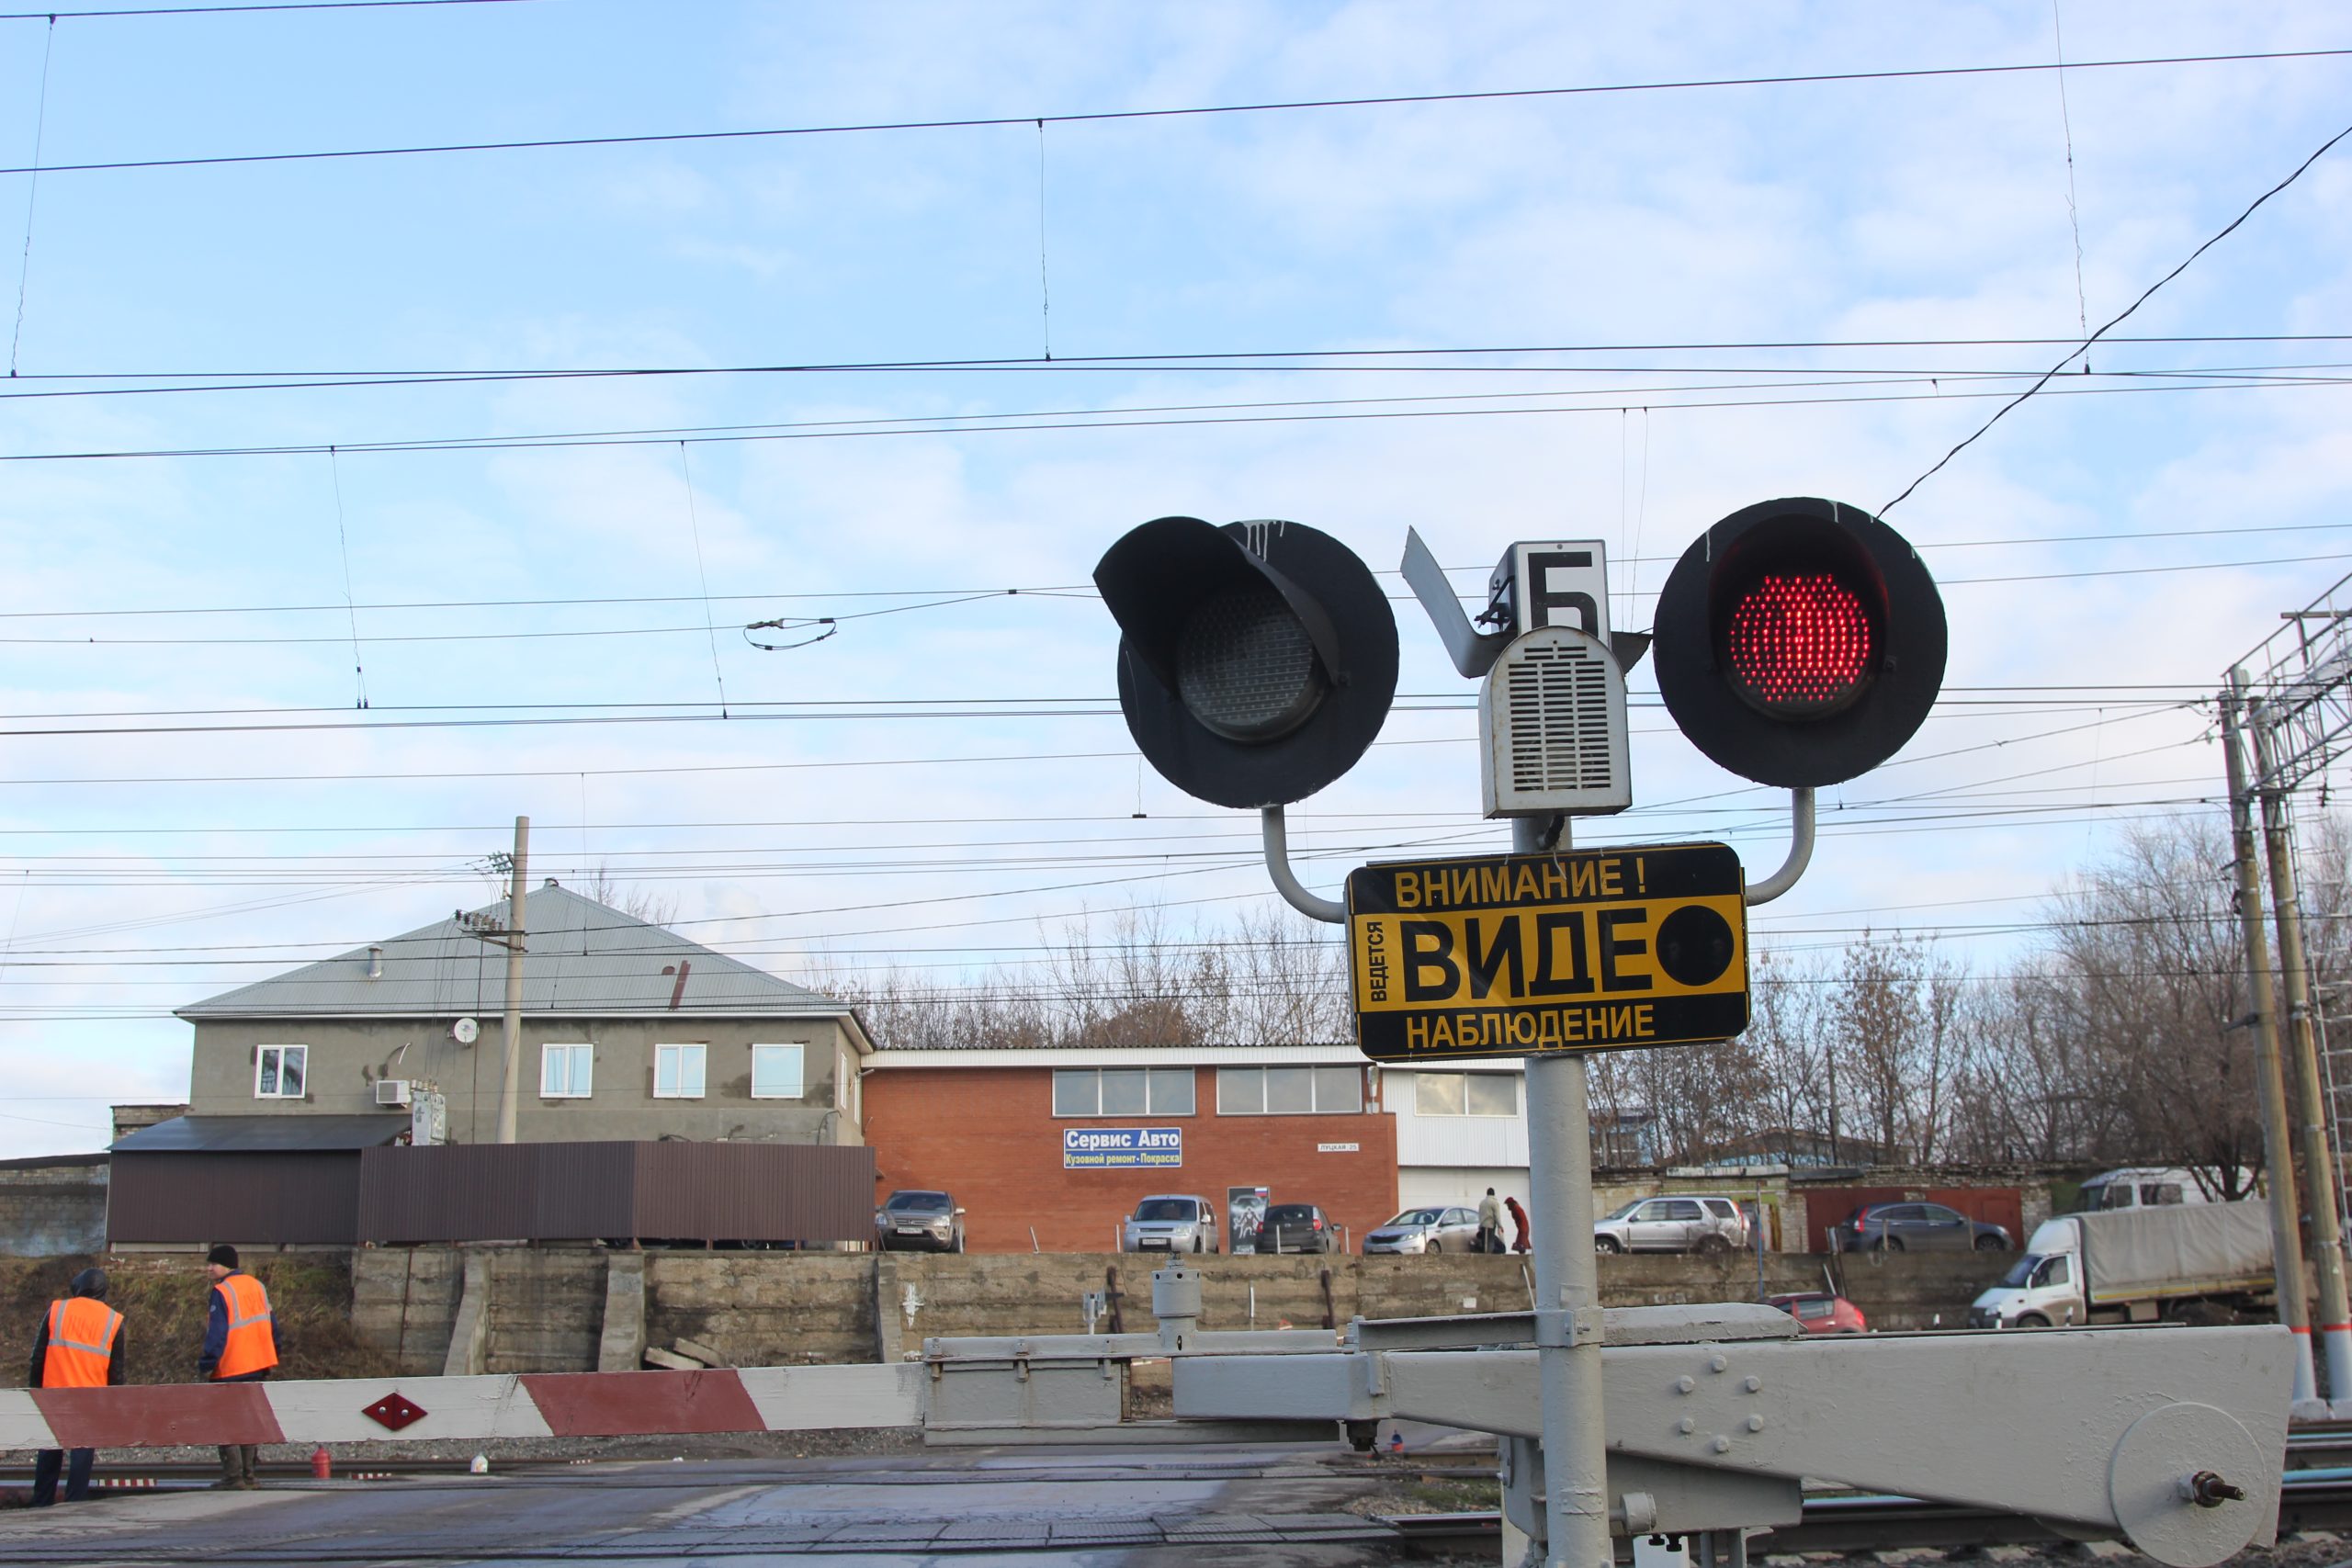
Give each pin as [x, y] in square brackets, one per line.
[510, 1095]
[1567, 1300]
[2319, 1164]
[2277, 1146]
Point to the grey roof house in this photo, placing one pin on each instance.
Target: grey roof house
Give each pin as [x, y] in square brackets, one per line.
[630, 1034]
[630, 1030]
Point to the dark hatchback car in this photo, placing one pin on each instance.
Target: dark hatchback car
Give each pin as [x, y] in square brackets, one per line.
[1296, 1227]
[1917, 1227]
[913, 1221]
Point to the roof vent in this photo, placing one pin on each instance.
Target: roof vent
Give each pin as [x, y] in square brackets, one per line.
[375, 962]
[1552, 728]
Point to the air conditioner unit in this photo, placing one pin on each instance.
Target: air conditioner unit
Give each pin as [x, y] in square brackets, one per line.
[391, 1091]
[1552, 728]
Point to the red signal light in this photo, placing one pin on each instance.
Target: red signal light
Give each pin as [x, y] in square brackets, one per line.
[1799, 645]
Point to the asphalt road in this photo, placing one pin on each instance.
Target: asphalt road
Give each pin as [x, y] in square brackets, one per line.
[1123, 1507]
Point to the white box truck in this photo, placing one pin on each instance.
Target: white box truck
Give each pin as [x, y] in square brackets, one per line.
[2193, 1263]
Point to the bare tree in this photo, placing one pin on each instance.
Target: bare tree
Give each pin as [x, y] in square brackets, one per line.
[635, 900]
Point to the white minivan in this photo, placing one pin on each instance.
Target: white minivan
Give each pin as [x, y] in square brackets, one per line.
[2143, 1187]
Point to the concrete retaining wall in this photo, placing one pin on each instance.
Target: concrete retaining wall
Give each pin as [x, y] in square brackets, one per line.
[547, 1306]
[546, 1309]
[765, 1309]
[404, 1302]
[54, 1207]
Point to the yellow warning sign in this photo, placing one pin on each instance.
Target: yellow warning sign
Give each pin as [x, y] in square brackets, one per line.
[1579, 951]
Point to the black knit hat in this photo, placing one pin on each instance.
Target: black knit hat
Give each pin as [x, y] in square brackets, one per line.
[224, 1255]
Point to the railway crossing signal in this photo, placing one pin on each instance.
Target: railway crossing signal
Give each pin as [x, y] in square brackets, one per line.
[1799, 642]
[1257, 660]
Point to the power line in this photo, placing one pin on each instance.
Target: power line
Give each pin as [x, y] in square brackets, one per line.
[1102, 420]
[231, 10]
[1058, 590]
[1222, 361]
[1198, 111]
[2224, 233]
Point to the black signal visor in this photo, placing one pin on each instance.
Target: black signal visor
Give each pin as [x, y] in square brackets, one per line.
[1257, 660]
[1800, 642]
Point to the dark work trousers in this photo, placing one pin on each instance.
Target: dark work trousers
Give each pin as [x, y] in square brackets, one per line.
[49, 1461]
[238, 1460]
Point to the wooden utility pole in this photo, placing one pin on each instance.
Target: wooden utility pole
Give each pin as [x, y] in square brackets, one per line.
[510, 1095]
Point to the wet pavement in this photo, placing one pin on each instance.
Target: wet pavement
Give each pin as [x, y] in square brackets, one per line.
[1254, 1504]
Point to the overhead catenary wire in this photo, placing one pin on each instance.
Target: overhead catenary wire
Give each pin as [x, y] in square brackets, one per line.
[1106, 420]
[2223, 233]
[1285, 106]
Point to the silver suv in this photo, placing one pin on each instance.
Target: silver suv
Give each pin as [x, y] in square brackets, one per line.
[1169, 1222]
[1672, 1225]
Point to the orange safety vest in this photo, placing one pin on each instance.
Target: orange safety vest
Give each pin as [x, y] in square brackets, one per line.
[251, 1348]
[81, 1344]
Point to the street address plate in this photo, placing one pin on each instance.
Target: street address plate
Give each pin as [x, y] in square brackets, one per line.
[1515, 956]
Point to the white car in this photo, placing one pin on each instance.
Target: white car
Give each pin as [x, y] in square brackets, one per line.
[1169, 1221]
[1426, 1230]
[1672, 1225]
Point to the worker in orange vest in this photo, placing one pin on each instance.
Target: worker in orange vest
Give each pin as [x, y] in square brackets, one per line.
[238, 1347]
[79, 1345]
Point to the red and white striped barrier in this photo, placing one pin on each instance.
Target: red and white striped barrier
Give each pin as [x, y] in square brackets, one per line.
[527, 1405]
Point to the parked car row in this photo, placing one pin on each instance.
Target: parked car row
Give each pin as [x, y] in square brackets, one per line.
[927, 1220]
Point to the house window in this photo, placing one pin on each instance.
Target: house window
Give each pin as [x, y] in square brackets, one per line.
[281, 1071]
[564, 1071]
[1124, 1091]
[775, 1072]
[677, 1072]
[1288, 1091]
[1466, 1094]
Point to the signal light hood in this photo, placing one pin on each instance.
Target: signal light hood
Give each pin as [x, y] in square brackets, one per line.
[1833, 598]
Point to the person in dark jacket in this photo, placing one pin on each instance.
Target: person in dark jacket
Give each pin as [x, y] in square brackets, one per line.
[79, 1345]
[240, 1345]
[1519, 1219]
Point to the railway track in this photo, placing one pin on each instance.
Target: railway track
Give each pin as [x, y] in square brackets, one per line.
[2315, 1497]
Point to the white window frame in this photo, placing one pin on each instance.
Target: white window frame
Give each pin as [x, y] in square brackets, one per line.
[1151, 1107]
[301, 1052]
[1314, 1105]
[588, 1053]
[799, 1069]
[701, 1060]
[1465, 1112]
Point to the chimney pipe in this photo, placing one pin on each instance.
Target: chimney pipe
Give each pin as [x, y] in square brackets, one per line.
[375, 962]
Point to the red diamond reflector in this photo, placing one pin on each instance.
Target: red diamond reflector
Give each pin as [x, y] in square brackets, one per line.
[393, 1412]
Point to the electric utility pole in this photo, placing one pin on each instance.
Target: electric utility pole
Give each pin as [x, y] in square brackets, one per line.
[510, 1093]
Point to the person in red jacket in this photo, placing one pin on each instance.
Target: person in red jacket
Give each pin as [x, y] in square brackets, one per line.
[1518, 1218]
[240, 1345]
[79, 1345]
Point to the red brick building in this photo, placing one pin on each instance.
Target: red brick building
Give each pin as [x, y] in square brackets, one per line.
[995, 1128]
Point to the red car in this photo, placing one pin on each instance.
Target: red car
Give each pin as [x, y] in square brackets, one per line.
[1820, 1313]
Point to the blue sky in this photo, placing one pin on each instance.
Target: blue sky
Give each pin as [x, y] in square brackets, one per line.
[971, 789]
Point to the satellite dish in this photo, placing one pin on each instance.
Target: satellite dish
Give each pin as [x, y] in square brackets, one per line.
[465, 1030]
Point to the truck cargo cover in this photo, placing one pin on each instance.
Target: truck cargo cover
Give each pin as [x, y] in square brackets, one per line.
[2154, 1251]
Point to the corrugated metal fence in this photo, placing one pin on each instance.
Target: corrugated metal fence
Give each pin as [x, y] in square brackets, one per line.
[618, 1191]
[671, 1192]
